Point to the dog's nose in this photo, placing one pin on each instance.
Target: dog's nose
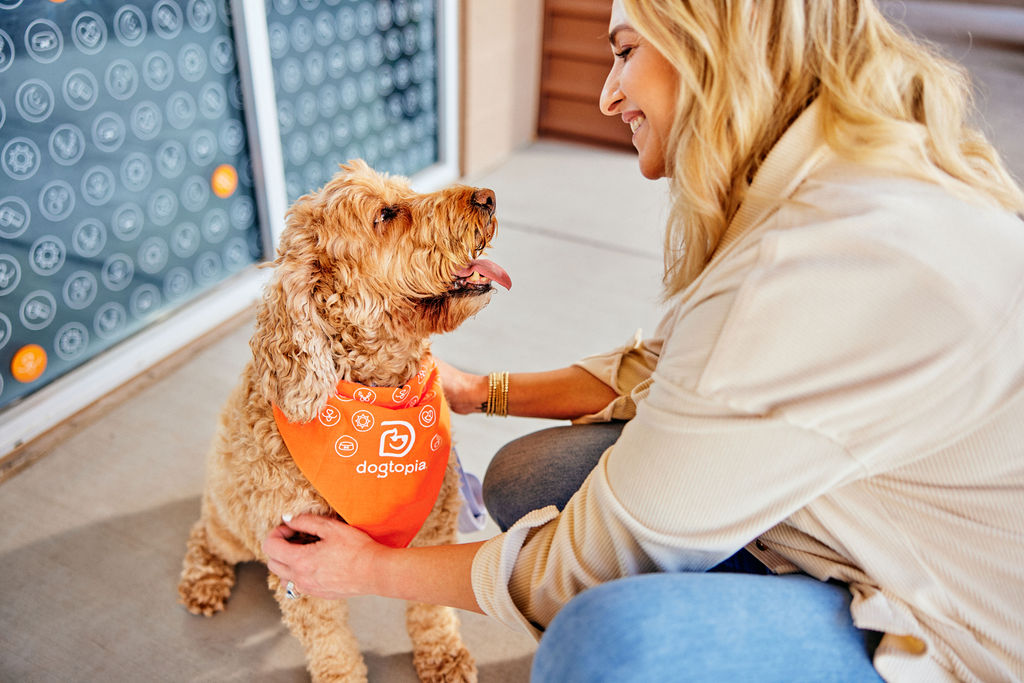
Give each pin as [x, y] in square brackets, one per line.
[484, 200]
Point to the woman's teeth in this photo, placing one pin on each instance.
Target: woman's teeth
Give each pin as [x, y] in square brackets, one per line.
[636, 123]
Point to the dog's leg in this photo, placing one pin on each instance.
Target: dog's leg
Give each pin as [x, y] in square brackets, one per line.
[438, 651]
[208, 571]
[332, 651]
[206, 578]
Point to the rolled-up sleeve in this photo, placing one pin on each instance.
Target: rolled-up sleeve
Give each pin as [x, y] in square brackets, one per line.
[627, 370]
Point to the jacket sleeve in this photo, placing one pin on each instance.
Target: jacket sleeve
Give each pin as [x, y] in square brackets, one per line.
[627, 370]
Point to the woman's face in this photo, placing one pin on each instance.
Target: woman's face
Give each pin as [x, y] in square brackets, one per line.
[641, 88]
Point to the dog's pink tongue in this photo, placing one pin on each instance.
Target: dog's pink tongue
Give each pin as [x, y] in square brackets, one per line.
[489, 269]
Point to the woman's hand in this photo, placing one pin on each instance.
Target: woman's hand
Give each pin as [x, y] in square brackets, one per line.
[465, 392]
[339, 565]
[346, 562]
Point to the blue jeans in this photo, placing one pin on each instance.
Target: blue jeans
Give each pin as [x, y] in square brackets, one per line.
[707, 627]
[737, 622]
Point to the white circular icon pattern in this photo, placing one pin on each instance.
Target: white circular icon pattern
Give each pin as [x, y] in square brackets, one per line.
[98, 185]
[43, 41]
[89, 238]
[46, 255]
[56, 200]
[34, 100]
[6, 51]
[67, 144]
[130, 25]
[89, 33]
[15, 217]
[100, 151]
[71, 341]
[19, 158]
[356, 80]
[80, 290]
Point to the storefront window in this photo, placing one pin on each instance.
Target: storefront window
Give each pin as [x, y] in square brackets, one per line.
[125, 181]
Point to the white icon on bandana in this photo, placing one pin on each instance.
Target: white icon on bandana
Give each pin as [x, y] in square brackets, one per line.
[365, 395]
[397, 441]
[428, 416]
[363, 420]
[346, 446]
[329, 416]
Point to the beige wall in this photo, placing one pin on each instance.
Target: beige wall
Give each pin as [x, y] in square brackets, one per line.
[500, 73]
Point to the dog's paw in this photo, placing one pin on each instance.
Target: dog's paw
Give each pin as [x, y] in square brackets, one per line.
[206, 593]
[445, 666]
[352, 671]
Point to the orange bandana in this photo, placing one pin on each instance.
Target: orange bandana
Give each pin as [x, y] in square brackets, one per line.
[377, 454]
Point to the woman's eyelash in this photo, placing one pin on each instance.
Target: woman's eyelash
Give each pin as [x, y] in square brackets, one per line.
[623, 53]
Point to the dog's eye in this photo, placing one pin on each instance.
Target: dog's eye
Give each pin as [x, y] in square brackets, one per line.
[388, 213]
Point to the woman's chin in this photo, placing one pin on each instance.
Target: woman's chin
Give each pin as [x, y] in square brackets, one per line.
[652, 164]
[652, 170]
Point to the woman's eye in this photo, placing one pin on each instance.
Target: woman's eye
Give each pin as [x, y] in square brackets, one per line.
[623, 53]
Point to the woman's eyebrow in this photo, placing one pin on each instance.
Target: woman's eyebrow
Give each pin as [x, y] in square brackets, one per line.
[615, 32]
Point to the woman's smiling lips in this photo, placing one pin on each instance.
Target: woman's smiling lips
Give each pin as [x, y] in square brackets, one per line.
[633, 119]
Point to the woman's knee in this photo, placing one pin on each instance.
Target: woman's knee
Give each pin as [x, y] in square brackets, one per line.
[717, 626]
[543, 468]
[508, 482]
[602, 635]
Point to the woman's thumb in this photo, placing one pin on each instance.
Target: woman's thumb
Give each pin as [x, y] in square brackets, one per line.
[306, 523]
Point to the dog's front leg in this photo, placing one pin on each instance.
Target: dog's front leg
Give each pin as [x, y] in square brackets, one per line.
[438, 652]
[332, 651]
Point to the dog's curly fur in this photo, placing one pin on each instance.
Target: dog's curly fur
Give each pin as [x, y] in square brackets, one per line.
[366, 272]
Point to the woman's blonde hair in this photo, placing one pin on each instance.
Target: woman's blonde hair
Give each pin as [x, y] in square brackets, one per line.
[747, 68]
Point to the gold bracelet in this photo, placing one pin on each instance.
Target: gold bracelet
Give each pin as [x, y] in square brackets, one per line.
[497, 394]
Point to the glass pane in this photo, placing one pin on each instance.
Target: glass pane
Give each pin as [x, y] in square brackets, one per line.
[125, 180]
[354, 79]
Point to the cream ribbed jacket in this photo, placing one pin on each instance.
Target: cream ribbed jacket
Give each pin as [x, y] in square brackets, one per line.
[842, 392]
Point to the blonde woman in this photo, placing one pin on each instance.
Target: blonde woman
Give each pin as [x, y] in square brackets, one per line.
[814, 470]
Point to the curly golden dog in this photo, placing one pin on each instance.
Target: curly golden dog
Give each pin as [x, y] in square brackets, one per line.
[367, 270]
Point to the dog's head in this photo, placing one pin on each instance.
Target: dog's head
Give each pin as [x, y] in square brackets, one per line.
[366, 271]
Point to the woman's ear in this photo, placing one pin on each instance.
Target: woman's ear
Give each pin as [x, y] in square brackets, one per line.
[291, 348]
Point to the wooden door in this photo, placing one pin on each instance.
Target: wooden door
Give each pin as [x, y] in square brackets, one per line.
[575, 61]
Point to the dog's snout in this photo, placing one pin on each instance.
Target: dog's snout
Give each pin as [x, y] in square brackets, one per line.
[484, 199]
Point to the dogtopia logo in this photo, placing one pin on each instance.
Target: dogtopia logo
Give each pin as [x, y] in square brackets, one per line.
[397, 441]
[382, 470]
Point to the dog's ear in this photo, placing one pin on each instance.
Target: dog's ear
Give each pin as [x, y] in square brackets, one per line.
[294, 363]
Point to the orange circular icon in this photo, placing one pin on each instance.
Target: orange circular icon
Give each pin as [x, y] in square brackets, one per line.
[224, 180]
[28, 363]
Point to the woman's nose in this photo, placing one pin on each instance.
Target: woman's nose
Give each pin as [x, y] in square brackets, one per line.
[611, 96]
